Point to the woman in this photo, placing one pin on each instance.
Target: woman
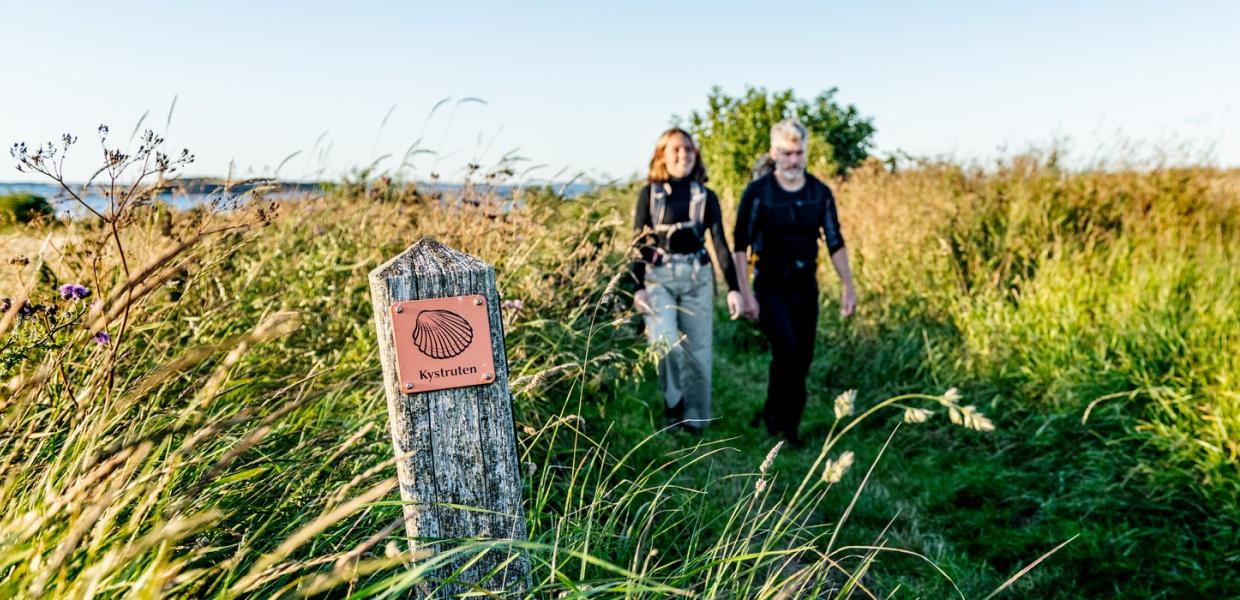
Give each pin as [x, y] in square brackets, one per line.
[783, 215]
[675, 280]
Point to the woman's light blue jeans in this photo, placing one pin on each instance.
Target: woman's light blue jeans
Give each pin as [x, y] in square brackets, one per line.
[682, 294]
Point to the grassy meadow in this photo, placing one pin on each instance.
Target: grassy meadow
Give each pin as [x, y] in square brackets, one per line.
[228, 436]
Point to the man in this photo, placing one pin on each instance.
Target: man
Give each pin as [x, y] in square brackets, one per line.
[782, 216]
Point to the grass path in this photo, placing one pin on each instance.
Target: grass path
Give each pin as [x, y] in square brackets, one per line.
[980, 505]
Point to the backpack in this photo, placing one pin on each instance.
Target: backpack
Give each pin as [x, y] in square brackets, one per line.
[765, 165]
[697, 210]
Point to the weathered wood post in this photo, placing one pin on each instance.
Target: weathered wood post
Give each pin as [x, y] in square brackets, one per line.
[441, 342]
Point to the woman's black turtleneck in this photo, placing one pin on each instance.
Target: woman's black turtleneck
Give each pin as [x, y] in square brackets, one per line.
[684, 241]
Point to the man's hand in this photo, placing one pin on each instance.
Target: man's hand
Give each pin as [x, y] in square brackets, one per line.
[751, 308]
[641, 302]
[848, 303]
[736, 304]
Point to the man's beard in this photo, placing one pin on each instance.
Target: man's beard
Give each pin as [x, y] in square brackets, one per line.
[792, 174]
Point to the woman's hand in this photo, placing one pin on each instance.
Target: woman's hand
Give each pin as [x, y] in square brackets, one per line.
[736, 304]
[641, 302]
[848, 302]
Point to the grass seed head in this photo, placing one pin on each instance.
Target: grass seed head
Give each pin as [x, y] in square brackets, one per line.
[833, 471]
[916, 415]
[845, 404]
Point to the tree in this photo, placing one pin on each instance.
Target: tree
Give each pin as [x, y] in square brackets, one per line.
[23, 207]
[734, 131]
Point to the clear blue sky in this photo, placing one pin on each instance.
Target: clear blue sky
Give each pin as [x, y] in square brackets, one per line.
[588, 86]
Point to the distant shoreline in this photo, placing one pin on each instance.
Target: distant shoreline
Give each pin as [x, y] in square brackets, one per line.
[189, 185]
[187, 193]
[203, 185]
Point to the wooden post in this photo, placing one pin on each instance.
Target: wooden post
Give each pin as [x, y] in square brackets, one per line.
[455, 446]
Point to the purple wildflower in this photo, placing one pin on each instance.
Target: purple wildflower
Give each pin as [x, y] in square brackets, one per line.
[102, 338]
[5, 304]
[27, 309]
[74, 291]
[514, 305]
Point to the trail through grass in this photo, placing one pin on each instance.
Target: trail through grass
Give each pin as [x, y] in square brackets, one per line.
[229, 438]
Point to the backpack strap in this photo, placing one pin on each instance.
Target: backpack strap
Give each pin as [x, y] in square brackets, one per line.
[830, 224]
[816, 195]
[658, 202]
[755, 210]
[697, 209]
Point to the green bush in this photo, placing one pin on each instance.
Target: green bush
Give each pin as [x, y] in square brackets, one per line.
[22, 207]
[734, 131]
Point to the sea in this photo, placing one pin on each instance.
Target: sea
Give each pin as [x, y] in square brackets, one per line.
[65, 204]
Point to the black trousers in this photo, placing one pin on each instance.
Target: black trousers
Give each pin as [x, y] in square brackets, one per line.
[788, 314]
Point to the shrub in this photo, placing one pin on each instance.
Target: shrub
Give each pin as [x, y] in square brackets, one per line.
[734, 131]
[23, 207]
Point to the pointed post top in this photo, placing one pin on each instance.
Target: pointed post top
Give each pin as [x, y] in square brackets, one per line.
[425, 257]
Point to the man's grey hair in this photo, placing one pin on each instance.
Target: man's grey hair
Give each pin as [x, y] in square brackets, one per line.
[789, 129]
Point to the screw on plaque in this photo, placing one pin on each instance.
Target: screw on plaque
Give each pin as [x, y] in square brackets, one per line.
[399, 309]
[486, 377]
[408, 386]
[478, 301]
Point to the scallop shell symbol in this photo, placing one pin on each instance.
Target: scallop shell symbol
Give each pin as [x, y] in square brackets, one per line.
[441, 333]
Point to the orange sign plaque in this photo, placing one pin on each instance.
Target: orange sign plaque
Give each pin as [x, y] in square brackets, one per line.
[442, 343]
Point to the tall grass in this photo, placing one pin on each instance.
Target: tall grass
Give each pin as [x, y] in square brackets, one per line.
[1075, 290]
[233, 441]
[1096, 315]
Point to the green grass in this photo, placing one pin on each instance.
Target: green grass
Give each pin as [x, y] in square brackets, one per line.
[234, 442]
